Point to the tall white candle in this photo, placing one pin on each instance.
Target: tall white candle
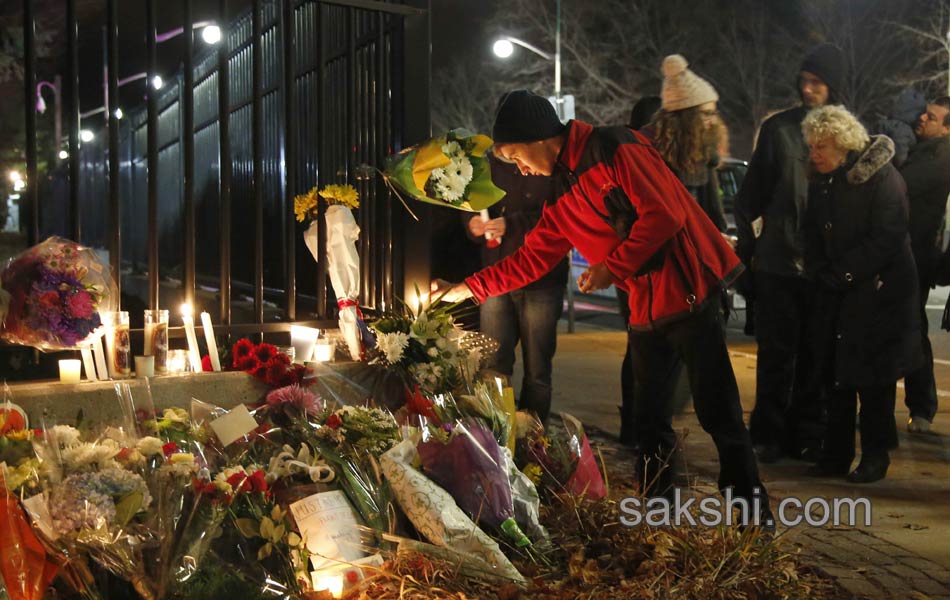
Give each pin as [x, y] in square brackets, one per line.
[193, 356]
[303, 340]
[100, 355]
[212, 342]
[88, 363]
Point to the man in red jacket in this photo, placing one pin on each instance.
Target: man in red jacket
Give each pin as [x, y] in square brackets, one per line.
[639, 229]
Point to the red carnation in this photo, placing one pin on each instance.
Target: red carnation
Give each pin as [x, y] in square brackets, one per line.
[258, 481]
[240, 482]
[241, 350]
[206, 363]
[80, 305]
[169, 449]
[248, 363]
[334, 421]
[420, 405]
[275, 371]
[265, 352]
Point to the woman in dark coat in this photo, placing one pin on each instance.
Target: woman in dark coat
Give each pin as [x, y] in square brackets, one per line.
[866, 325]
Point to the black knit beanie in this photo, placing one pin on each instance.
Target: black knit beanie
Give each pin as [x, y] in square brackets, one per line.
[523, 116]
[827, 62]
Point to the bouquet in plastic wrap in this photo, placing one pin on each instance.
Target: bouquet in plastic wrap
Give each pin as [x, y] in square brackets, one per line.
[52, 295]
[560, 461]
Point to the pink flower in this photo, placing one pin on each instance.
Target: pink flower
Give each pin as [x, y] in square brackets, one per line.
[295, 396]
[80, 305]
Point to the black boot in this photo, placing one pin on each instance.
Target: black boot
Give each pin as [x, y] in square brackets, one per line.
[871, 468]
[827, 469]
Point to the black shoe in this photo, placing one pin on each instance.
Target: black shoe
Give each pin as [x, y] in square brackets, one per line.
[870, 469]
[768, 453]
[821, 469]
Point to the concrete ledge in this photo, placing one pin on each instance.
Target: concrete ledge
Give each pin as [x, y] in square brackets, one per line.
[60, 403]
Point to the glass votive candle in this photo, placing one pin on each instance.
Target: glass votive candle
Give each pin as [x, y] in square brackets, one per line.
[156, 338]
[69, 371]
[177, 361]
[288, 351]
[323, 350]
[144, 366]
[303, 339]
[118, 346]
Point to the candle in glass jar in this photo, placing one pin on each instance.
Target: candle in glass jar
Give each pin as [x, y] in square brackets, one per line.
[156, 338]
[303, 340]
[118, 346]
[177, 361]
[194, 357]
[323, 351]
[69, 371]
[211, 341]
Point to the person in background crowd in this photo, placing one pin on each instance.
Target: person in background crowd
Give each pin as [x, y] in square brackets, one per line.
[900, 123]
[927, 174]
[866, 324]
[627, 213]
[640, 116]
[528, 315]
[787, 414]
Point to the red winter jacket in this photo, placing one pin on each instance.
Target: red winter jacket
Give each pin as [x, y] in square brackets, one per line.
[608, 180]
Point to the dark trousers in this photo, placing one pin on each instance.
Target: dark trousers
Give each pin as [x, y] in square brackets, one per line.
[788, 407]
[627, 377]
[920, 388]
[878, 428]
[528, 316]
[699, 342]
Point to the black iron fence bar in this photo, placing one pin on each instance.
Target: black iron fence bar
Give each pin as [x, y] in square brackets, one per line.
[152, 152]
[250, 328]
[115, 235]
[289, 36]
[72, 44]
[321, 120]
[257, 123]
[224, 167]
[31, 193]
[187, 91]
[382, 131]
[384, 7]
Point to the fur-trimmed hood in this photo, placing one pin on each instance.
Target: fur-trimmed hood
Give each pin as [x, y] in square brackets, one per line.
[878, 153]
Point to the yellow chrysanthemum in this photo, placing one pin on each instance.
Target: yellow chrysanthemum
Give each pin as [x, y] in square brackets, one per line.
[304, 203]
[341, 194]
[533, 472]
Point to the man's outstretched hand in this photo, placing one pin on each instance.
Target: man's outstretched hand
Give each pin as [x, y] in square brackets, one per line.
[447, 291]
[597, 277]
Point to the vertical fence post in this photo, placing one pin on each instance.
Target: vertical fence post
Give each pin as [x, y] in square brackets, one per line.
[188, 153]
[322, 161]
[115, 236]
[257, 134]
[224, 162]
[382, 140]
[152, 155]
[72, 44]
[289, 37]
[29, 105]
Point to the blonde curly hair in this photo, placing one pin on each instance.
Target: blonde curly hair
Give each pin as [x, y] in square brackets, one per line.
[837, 123]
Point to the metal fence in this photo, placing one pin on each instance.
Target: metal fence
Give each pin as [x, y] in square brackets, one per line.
[194, 192]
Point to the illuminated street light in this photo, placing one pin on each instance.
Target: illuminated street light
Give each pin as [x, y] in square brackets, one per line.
[63, 155]
[87, 135]
[15, 176]
[503, 48]
[157, 82]
[211, 34]
[118, 113]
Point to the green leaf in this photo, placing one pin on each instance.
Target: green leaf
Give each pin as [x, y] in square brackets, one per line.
[128, 506]
[247, 527]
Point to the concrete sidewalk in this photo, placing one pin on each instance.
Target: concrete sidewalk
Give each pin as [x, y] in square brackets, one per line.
[906, 548]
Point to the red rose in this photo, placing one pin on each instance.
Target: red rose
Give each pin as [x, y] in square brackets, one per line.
[206, 363]
[80, 305]
[240, 482]
[420, 405]
[169, 449]
[334, 421]
[258, 481]
[241, 350]
[265, 352]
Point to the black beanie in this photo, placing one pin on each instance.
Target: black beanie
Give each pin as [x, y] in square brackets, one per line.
[523, 116]
[827, 62]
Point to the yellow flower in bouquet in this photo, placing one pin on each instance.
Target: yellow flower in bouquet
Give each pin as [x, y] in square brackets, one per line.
[344, 195]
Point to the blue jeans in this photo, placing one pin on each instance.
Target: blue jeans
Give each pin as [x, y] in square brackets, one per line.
[528, 316]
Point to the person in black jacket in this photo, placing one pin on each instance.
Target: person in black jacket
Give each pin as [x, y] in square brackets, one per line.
[927, 173]
[528, 315]
[787, 414]
[866, 327]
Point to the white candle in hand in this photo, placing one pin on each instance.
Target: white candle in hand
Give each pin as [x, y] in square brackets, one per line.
[193, 356]
[212, 342]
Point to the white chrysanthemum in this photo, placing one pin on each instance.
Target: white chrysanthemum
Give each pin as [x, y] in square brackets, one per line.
[452, 149]
[393, 345]
[433, 352]
[149, 446]
[64, 435]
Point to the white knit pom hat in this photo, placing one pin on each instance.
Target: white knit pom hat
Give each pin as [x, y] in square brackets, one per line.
[681, 87]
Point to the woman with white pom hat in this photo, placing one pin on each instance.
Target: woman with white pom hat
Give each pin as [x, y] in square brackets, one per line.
[686, 133]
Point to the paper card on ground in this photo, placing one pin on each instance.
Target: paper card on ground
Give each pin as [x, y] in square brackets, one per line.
[234, 425]
[38, 509]
[328, 524]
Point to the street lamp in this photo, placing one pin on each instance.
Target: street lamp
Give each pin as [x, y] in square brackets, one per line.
[87, 135]
[504, 47]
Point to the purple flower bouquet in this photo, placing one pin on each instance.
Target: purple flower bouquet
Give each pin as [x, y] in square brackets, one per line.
[51, 295]
[468, 463]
